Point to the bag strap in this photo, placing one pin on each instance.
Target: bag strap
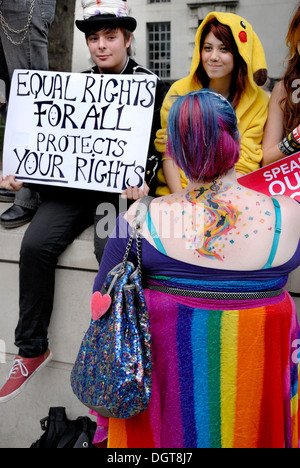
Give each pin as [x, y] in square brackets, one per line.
[139, 219]
[141, 211]
[54, 425]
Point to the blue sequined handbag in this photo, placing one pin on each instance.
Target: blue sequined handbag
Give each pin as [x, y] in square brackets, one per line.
[113, 371]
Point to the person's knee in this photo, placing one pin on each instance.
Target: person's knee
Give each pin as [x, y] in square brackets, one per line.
[35, 249]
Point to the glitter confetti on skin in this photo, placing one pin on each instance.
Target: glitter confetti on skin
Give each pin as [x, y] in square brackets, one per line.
[222, 218]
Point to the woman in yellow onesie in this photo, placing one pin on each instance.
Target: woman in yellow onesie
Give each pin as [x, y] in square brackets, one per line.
[229, 59]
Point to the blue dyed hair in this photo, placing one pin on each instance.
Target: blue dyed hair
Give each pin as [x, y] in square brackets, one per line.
[203, 137]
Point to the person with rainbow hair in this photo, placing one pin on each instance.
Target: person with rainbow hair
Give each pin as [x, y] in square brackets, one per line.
[224, 330]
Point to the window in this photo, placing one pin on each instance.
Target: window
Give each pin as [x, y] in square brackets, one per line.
[159, 1]
[159, 40]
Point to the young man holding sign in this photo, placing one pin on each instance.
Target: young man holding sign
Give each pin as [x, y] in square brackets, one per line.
[65, 213]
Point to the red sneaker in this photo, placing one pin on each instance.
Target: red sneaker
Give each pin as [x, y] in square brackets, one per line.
[21, 372]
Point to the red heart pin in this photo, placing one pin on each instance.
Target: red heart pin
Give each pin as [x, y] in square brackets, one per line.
[100, 305]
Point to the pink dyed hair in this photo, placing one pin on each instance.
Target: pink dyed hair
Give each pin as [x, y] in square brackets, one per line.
[203, 137]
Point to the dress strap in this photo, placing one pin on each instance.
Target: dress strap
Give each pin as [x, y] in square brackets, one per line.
[154, 234]
[277, 234]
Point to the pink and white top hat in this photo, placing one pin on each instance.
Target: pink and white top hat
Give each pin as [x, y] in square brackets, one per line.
[111, 13]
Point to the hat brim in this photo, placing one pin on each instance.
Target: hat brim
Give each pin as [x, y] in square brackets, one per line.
[126, 22]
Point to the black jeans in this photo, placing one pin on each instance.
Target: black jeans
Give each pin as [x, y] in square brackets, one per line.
[58, 221]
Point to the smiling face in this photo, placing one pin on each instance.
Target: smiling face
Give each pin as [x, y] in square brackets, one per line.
[217, 61]
[109, 49]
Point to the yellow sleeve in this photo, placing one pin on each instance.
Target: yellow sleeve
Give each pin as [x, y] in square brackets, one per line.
[161, 135]
[252, 137]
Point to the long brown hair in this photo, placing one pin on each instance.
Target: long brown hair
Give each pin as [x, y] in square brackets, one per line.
[224, 34]
[290, 106]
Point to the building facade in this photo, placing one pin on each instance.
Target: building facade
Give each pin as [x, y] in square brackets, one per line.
[164, 39]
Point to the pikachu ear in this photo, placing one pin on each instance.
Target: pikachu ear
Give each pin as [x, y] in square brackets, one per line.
[259, 63]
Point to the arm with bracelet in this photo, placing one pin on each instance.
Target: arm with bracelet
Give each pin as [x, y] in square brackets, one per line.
[276, 145]
[290, 144]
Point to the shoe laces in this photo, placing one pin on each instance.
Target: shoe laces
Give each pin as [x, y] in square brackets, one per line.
[18, 365]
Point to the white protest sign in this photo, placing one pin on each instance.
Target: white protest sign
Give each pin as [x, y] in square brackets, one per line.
[79, 130]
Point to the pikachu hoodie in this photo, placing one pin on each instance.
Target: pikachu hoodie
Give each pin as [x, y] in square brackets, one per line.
[252, 109]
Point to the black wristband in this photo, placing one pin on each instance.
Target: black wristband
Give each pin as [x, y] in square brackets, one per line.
[289, 145]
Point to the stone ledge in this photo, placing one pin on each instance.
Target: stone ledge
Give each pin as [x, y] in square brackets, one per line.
[79, 255]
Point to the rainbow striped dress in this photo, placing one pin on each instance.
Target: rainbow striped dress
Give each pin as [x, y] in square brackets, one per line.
[225, 370]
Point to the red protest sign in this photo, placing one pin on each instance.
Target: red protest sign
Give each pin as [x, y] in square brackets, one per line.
[279, 178]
